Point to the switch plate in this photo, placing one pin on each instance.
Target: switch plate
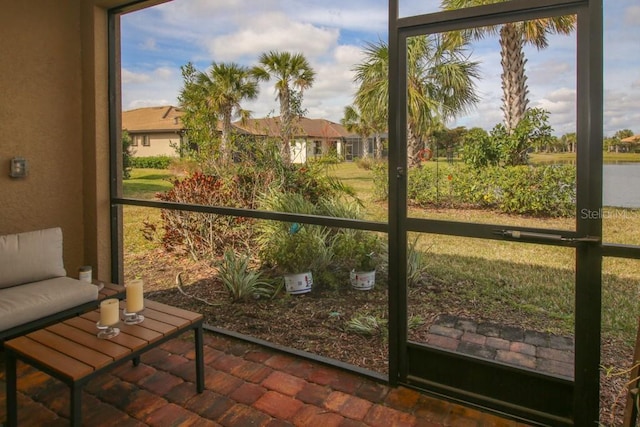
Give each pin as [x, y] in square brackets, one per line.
[18, 167]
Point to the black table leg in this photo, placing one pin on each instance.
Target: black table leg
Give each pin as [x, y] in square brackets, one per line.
[199, 359]
[76, 404]
[12, 388]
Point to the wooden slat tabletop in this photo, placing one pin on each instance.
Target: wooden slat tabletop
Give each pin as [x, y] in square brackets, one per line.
[107, 347]
[84, 354]
[73, 350]
[174, 311]
[110, 290]
[56, 360]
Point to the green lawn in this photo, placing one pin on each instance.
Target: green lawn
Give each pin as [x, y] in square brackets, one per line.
[570, 157]
[531, 281]
[145, 183]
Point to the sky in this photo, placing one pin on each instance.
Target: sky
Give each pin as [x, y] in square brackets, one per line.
[331, 34]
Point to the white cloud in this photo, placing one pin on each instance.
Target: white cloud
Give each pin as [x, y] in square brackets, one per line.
[273, 31]
[129, 77]
[164, 73]
[621, 111]
[160, 39]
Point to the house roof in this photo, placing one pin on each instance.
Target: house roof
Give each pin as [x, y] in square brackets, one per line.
[168, 119]
[165, 118]
[633, 138]
[302, 127]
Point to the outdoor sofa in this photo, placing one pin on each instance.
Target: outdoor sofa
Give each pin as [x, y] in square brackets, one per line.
[34, 288]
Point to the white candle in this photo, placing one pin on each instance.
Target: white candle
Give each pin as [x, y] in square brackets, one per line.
[135, 299]
[109, 312]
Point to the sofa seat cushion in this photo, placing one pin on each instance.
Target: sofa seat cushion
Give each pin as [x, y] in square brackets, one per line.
[31, 301]
[30, 257]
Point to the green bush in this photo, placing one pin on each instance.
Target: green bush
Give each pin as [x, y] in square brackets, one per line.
[380, 180]
[477, 187]
[204, 235]
[548, 190]
[431, 186]
[150, 162]
[126, 155]
[540, 191]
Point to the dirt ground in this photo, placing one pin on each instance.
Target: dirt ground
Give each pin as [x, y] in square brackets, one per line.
[317, 322]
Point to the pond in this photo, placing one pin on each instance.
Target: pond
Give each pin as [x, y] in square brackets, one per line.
[621, 185]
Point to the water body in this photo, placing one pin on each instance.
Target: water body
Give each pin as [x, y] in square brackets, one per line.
[621, 185]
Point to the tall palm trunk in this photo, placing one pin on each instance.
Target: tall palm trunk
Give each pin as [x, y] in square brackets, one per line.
[378, 144]
[514, 80]
[285, 118]
[225, 145]
[412, 147]
[366, 146]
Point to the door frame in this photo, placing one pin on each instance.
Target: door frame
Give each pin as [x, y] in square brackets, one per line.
[489, 385]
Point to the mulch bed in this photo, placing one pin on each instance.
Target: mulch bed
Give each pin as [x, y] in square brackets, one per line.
[316, 322]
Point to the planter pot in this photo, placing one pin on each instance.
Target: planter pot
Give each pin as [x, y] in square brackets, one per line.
[298, 283]
[363, 280]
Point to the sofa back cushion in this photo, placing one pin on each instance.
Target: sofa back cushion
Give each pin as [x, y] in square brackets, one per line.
[31, 256]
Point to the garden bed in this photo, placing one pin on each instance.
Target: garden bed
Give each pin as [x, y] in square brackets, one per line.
[317, 322]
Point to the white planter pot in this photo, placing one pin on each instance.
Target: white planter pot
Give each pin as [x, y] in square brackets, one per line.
[298, 283]
[363, 280]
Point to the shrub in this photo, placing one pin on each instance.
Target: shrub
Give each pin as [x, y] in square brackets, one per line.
[477, 187]
[431, 186]
[204, 235]
[548, 190]
[151, 162]
[366, 163]
[127, 152]
[357, 250]
[292, 247]
[240, 281]
[543, 190]
[380, 180]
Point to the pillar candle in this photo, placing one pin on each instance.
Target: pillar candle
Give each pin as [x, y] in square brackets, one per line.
[135, 299]
[109, 312]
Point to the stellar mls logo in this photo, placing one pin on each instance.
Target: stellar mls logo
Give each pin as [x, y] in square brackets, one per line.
[608, 214]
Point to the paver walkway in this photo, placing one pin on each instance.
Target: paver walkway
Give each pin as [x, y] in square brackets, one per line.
[246, 385]
[543, 352]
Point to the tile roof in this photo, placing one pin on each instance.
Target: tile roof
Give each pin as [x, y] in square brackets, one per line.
[303, 126]
[165, 118]
[633, 138]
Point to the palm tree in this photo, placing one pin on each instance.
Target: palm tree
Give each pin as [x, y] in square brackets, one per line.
[293, 75]
[372, 96]
[220, 92]
[225, 86]
[513, 37]
[440, 85]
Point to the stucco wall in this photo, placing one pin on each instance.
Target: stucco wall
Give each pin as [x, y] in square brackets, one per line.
[41, 120]
[160, 144]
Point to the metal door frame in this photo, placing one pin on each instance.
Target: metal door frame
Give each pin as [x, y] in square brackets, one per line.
[529, 396]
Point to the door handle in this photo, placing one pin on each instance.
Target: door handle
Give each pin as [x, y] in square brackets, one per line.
[530, 235]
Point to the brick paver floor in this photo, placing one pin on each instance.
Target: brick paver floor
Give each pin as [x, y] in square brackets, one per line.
[246, 385]
[548, 353]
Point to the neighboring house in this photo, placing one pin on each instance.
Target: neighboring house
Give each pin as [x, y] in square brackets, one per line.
[312, 138]
[159, 131]
[154, 131]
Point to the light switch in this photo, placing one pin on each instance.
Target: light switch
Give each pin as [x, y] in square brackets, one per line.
[18, 167]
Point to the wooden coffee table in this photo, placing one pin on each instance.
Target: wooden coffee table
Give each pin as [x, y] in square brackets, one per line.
[71, 352]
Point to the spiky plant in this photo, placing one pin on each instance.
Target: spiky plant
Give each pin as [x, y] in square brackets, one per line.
[242, 282]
